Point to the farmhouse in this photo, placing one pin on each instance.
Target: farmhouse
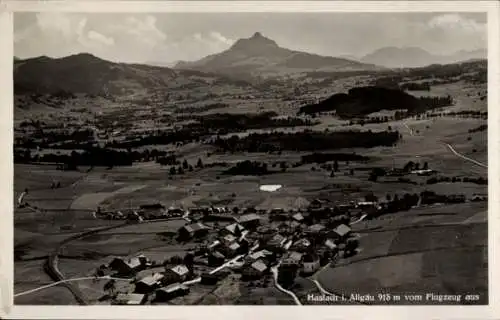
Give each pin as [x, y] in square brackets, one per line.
[234, 229]
[301, 245]
[293, 258]
[298, 217]
[129, 299]
[259, 255]
[172, 291]
[341, 232]
[149, 283]
[275, 243]
[249, 221]
[254, 271]
[123, 267]
[228, 239]
[195, 230]
[178, 273]
[231, 250]
[315, 229]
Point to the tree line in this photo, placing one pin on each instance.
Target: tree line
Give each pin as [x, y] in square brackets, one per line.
[306, 141]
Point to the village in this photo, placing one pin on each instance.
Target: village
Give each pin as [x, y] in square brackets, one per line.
[255, 245]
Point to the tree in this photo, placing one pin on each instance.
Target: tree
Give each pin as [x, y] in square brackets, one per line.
[388, 197]
[351, 172]
[426, 166]
[185, 164]
[336, 166]
[189, 261]
[332, 174]
[172, 170]
[180, 170]
[110, 286]
[199, 164]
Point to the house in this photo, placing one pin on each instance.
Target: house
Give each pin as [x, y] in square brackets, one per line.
[172, 291]
[231, 250]
[254, 271]
[235, 229]
[130, 299]
[216, 259]
[310, 263]
[228, 239]
[275, 243]
[301, 245]
[340, 233]
[149, 283]
[178, 273]
[249, 221]
[194, 230]
[264, 255]
[298, 217]
[316, 230]
[129, 267]
[293, 258]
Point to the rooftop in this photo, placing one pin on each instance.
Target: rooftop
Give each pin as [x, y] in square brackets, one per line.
[342, 230]
[180, 270]
[195, 227]
[248, 217]
[259, 265]
[152, 279]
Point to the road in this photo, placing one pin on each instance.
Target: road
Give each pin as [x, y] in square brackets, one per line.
[359, 220]
[465, 157]
[66, 281]
[274, 270]
[410, 129]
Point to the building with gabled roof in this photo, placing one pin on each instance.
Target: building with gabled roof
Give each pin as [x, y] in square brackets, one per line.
[255, 270]
[194, 230]
[341, 232]
[170, 292]
[251, 220]
[178, 273]
[149, 283]
[234, 229]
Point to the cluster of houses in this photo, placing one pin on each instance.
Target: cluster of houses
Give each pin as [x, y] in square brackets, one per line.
[289, 241]
[166, 285]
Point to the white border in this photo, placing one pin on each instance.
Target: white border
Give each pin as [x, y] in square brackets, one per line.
[491, 311]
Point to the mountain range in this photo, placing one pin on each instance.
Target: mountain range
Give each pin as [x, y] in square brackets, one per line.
[409, 57]
[86, 73]
[261, 55]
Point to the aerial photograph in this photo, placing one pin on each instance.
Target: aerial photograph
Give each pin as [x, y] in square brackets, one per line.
[324, 158]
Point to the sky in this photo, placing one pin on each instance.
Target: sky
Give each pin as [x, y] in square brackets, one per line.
[169, 37]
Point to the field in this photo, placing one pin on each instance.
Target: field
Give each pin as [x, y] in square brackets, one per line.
[439, 248]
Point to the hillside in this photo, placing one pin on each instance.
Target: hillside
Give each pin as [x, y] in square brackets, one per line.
[259, 54]
[409, 57]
